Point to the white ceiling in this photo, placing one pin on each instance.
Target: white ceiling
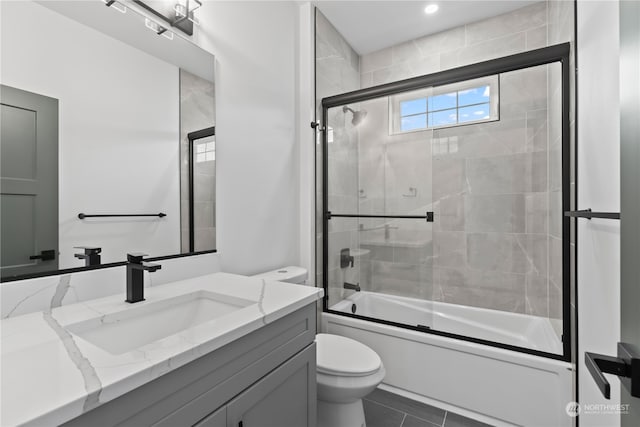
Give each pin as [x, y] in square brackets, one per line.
[372, 25]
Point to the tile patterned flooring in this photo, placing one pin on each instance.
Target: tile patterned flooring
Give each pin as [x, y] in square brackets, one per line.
[384, 409]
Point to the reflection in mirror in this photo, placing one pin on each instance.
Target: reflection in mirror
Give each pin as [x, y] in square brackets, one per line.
[202, 171]
[96, 109]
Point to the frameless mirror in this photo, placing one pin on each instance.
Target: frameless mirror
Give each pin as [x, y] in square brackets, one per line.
[96, 112]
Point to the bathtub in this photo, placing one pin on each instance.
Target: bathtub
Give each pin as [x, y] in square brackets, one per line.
[491, 384]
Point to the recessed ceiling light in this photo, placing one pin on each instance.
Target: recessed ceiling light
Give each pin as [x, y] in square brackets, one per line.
[432, 8]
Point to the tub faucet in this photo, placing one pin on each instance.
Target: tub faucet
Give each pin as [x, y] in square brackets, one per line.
[135, 277]
[351, 286]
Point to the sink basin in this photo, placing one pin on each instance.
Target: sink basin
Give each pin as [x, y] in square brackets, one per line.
[126, 330]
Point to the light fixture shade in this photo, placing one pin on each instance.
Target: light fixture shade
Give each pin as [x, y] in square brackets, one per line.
[178, 14]
[186, 9]
[158, 29]
[116, 5]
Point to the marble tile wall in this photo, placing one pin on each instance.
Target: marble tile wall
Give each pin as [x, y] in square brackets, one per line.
[197, 111]
[514, 32]
[395, 179]
[491, 186]
[337, 71]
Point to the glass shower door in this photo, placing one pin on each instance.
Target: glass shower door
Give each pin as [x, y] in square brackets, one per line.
[499, 189]
[379, 210]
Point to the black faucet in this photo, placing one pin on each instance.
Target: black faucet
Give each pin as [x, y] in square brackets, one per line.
[135, 277]
[351, 286]
[91, 255]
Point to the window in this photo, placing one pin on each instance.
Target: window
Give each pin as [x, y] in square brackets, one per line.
[205, 152]
[450, 105]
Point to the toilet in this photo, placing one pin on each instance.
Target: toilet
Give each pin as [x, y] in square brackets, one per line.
[347, 370]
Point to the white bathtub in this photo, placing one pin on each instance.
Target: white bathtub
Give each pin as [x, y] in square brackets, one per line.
[491, 384]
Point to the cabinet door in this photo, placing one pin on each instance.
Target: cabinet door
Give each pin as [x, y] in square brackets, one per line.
[217, 419]
[284, 398]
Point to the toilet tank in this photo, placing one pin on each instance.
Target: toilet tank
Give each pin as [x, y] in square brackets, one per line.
[290, 274]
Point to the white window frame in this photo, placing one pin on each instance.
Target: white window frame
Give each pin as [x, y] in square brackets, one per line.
[494, 103]
[205, 151]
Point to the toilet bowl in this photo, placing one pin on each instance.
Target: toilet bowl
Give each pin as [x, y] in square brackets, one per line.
[347, 370]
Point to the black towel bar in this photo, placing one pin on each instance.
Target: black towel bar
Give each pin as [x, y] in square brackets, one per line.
[587, 213]
[83, 215]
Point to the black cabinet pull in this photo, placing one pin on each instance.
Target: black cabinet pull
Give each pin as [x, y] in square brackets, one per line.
[626, 366]
[240, 424]
[47, 255]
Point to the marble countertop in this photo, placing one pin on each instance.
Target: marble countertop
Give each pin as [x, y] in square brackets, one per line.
[50, 375]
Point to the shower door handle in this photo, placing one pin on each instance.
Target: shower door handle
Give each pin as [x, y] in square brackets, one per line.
[626, 366]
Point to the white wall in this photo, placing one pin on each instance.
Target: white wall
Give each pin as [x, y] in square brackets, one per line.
[119, 110]
[257, 152]
[306, 136]
[599, 189]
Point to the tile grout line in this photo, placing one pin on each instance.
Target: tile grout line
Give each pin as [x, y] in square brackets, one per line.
[444, 420]
[403, 418]
[406, 413]
[385, 406]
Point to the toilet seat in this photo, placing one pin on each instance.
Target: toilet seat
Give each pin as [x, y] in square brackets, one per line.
[344, 357]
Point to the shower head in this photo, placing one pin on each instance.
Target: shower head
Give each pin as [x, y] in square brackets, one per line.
[358, 116]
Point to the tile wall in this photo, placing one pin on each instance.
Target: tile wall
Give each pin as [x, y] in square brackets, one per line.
[337, 71]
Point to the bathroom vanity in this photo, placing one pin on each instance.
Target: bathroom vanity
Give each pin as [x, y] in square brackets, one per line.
[216, 350]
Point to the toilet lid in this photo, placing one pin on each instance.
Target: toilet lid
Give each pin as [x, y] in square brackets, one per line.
[343, 356]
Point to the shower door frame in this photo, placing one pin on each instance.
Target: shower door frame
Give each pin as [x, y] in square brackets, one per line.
[193, 137]
[543, 56]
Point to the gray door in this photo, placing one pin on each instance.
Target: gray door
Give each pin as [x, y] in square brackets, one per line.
[29, 182]
[630, 188]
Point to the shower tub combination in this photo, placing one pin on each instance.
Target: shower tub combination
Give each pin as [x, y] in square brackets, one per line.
[473, 379]
[418, 205]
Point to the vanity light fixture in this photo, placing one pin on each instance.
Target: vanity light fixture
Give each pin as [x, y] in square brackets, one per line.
[115, 5]
[180, 14]
[158, 29]
[186, 9]
[431, 9]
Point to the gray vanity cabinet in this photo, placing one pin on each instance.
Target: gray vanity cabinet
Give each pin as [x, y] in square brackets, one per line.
[281, 399]
[265, 378]
[217, 419]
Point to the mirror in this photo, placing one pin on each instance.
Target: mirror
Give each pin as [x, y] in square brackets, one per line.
[96, 113]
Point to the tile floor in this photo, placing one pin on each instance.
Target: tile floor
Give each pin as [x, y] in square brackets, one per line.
[384, 409]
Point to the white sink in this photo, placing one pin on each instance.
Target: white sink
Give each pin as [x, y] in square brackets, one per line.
[135, 327]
